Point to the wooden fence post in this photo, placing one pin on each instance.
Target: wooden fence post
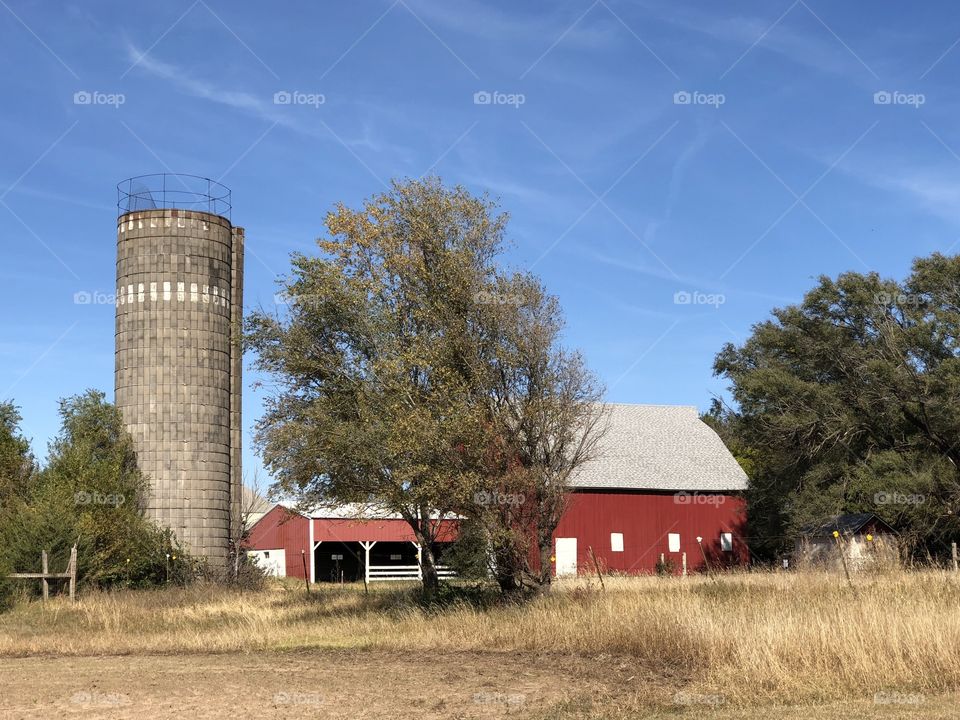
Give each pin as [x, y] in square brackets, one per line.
[419, 562]
[73, 573]
[684, 559]
[953, 553]
[596, 566]
[306, 575]
[44, 568]
[44, 576]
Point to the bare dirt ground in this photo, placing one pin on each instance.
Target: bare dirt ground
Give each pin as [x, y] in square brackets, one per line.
[329, 684]
[382, 684]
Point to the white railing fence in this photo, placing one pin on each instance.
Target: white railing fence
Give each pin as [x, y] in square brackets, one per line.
[376, 573]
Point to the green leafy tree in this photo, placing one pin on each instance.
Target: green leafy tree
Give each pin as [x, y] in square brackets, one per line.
[17, 470]
[17, 465]
[91, 494]
[855, 390]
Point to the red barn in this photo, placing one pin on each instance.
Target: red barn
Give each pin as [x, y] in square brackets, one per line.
[663, 486]
[662, 479]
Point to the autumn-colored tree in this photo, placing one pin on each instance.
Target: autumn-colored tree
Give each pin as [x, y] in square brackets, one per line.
[414, 375]
[377, 403]
[547, 413]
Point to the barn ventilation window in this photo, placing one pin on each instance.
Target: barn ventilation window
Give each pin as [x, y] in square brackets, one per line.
[616, 542]
[673, 542]
[726, 542]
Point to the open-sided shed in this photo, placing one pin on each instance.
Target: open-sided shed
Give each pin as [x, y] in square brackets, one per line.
[339, 543]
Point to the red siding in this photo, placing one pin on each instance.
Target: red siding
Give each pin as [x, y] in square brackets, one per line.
[646, 519]
[328, 529]
[281, 528]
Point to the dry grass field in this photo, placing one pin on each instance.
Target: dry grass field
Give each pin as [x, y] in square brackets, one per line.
[741, 645]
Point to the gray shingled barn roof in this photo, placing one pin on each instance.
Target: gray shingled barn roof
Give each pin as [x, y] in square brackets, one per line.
[660, 447]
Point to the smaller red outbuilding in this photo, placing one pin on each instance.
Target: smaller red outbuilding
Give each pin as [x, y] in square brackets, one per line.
[340, 544]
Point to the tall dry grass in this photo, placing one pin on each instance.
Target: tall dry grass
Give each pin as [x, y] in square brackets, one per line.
[753, 637]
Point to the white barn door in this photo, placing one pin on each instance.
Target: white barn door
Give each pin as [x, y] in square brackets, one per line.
[566, 555]
[272, 562]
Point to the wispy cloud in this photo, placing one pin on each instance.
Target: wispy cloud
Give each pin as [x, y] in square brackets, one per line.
[507, 188]
[468, 17]
[185, 82]
[933, 190]
[262, 107]
[684, 282]
[815, 48]
[677, 174]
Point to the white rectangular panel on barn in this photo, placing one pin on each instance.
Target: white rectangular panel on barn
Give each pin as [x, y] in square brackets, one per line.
[272, 562]
[673, 542]
[566, 556]
[616, 542]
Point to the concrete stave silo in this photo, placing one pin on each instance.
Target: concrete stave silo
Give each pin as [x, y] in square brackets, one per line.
[178, 360]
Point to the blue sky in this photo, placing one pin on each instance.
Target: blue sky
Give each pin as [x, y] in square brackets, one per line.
[648, 152]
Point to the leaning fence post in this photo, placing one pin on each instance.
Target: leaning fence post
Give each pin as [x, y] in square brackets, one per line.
[44, 568]
[306, 575]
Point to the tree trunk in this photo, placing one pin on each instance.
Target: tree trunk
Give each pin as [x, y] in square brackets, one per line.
[545, 576]
[428, 566]
[506, 572]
